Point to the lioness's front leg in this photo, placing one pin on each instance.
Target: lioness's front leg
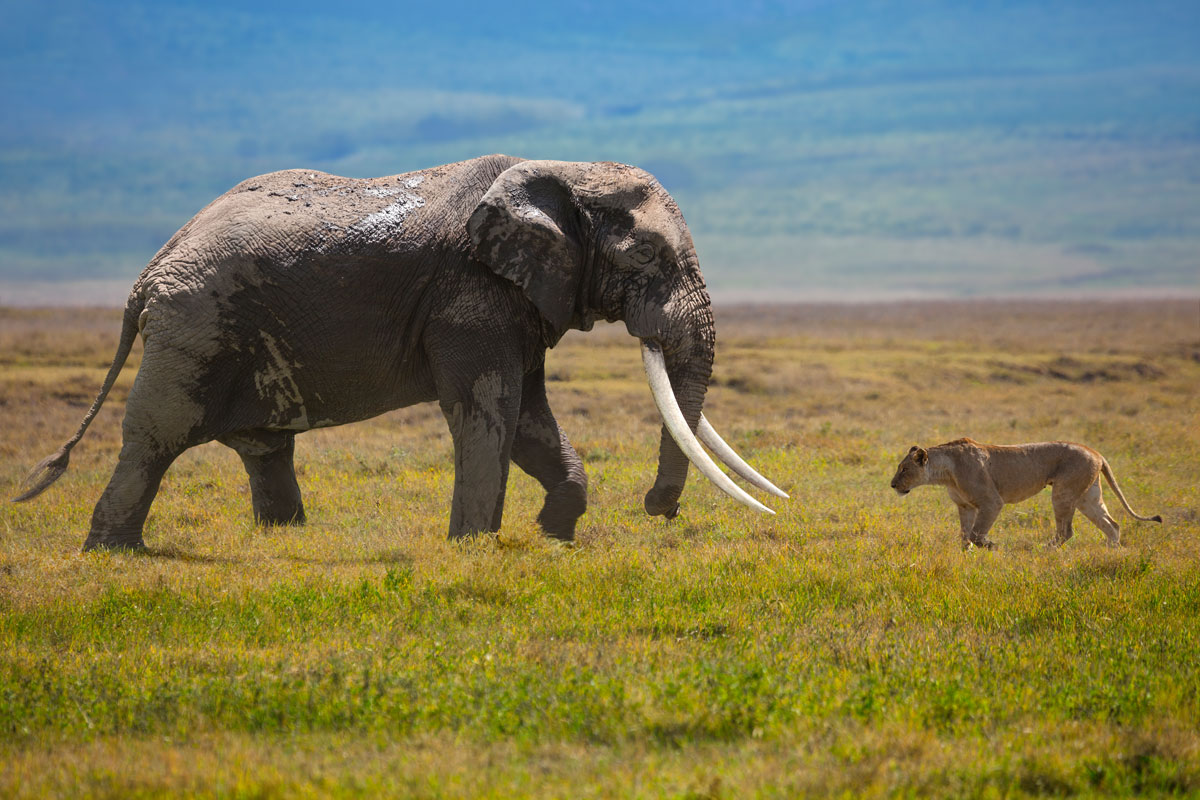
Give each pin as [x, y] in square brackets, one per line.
[986, 512]
[966, 521]
[966, 515]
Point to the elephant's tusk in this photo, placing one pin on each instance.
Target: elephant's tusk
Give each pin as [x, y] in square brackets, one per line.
[713, 441]
[664, 398]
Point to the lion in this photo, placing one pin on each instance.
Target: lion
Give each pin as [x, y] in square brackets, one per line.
[981, 478]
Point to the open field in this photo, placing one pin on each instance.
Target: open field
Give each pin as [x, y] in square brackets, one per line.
[845, 646]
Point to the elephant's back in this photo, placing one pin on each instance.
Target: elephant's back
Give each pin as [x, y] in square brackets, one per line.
[285, 221]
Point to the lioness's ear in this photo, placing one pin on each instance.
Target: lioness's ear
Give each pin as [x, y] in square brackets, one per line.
[913, 449]
[921, 456]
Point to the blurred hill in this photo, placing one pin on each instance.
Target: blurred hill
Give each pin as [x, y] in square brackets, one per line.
[818, 149]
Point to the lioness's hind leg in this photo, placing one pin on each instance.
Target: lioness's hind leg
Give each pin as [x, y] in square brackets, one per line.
[1063, 501]
[1092, 506]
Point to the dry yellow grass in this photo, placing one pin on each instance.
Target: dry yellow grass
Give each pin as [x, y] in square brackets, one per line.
[844, 646]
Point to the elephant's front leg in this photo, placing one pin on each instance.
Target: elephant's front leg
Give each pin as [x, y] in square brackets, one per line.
[483, 420]
[542, 450]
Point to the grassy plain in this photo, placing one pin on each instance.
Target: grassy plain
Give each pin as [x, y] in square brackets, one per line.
[845, 646]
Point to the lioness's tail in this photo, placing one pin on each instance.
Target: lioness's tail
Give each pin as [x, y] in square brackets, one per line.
[1112, 481]
[53, 467]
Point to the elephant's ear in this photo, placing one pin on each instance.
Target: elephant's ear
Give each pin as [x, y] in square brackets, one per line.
[526, 228]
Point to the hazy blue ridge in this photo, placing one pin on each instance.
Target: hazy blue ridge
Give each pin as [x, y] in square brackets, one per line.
[958, 148]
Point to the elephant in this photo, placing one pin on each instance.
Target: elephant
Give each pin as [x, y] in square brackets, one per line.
[301, 300]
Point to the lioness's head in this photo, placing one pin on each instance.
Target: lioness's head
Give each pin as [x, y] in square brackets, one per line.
[911, 471]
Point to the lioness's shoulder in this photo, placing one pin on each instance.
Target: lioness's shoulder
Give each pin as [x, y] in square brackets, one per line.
[961, 452]
[963, 445]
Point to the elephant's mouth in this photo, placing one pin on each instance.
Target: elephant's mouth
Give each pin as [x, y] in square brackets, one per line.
[668, 408]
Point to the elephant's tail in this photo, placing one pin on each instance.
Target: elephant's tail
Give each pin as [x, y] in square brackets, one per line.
[50, 470]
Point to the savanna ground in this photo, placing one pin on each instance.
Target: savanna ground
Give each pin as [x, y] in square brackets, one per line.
[845, 646]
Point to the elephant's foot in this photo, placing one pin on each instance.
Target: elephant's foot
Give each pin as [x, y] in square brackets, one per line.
[564, 506]
[272, 517]
[467, 535]
[114, 544]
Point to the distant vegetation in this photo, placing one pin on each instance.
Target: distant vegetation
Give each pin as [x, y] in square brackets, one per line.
[936, 147]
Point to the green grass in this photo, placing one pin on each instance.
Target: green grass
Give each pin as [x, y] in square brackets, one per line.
[843, 647]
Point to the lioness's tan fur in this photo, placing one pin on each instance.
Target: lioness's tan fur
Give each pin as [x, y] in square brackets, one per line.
[981, 478]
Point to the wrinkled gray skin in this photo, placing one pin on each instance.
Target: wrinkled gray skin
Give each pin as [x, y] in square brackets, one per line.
[302, 300]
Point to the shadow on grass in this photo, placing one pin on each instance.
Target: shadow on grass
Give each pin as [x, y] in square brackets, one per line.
[177, 553]
[382, 557]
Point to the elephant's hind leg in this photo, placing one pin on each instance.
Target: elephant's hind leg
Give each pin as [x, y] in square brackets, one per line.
[542, 450]
[121, 511]
[268, 457]
[158, 425]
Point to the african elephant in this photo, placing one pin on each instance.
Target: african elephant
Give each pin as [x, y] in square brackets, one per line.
[301, 300]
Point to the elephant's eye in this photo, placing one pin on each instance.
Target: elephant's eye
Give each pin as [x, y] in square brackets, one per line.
[643, 253]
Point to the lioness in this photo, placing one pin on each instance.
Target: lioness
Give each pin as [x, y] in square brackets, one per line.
[981, 478]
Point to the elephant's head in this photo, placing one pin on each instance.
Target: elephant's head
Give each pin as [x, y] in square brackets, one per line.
[600, 240]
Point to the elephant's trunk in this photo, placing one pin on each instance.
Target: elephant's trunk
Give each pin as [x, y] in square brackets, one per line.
[688, 381]
[678, 364]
